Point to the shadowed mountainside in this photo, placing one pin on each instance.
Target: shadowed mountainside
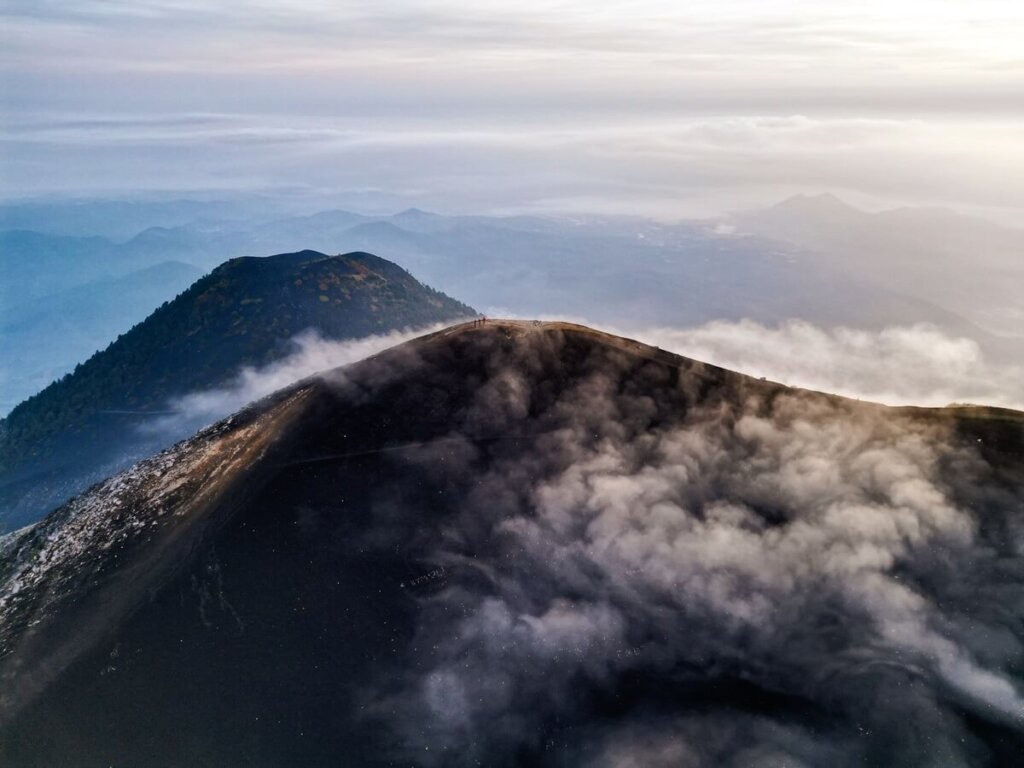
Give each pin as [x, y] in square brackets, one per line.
[532, 544]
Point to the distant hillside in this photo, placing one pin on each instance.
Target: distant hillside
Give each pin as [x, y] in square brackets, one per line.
[621, 272]
[34, 264]
[42, 338]
[915, 251]
[243, 313]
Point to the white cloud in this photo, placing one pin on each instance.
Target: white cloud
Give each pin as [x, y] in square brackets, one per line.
[653, 163]
[312, 355]
[661, 108]
[916, 365]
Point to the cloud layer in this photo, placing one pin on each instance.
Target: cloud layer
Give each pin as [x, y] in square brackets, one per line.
[915, 365]
[651, 107]
[910, 365]
[312, 354]
[665, 164]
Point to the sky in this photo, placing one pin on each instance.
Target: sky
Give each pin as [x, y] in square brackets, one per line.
[656, 107]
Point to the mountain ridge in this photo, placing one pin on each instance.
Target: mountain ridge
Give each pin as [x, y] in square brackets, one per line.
[911, 250]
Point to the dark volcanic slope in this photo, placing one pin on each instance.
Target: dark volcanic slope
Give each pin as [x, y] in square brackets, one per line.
[537, 545]
[245, 312]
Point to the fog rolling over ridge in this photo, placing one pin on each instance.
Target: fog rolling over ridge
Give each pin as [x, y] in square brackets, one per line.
[900, 365]
[191, 411]
[533, 544]
[915, 365]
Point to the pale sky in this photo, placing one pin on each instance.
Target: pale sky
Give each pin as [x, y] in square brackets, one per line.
[656, 107]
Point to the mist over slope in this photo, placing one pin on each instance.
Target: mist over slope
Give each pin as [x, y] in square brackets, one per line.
[246, 312]
[533, 544]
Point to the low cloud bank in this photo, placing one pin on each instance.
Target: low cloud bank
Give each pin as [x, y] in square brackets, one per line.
[911, 365]
[908, 365]
[312, 354]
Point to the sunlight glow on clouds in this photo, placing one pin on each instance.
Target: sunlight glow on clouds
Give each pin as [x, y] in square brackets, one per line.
[665, 167]
[913, 365]
[632, 104]
[936, 36]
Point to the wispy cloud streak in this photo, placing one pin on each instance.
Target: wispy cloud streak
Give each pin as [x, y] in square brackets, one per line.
[912, 365]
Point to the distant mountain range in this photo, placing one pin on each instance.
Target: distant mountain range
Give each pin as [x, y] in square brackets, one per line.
[968, 265]
[521, 544]
[44, 337]
[245, 312]
[816, 259]
[120, 220]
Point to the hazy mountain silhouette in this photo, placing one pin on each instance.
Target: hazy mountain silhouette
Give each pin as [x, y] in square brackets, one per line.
[44, 337]
[912, 250]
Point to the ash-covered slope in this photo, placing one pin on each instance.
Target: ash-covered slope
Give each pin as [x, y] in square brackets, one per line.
[532, 544]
